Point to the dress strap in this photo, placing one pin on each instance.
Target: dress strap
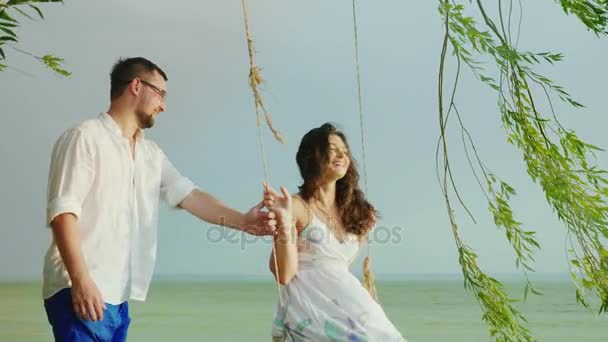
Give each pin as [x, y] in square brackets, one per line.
[310, 213]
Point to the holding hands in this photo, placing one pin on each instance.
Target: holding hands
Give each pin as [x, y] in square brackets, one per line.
[281, 208]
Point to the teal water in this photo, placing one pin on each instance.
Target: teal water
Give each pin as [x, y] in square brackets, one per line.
[241, 311]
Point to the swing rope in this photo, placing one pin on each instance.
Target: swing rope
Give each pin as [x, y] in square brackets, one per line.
[368, 277]
[255, 79]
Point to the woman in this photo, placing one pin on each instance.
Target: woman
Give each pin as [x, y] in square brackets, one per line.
[319, 233]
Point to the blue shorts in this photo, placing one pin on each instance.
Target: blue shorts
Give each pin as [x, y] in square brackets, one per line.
[68, 327]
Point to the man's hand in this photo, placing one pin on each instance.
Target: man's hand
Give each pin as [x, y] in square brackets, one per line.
[87, 300]
[259, 222]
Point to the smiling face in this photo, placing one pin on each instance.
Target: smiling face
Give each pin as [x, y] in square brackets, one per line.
[152, 97]
[324, 157]
[338, 158]
[138, 86]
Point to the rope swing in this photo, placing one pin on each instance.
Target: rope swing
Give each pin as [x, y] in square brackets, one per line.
[255, 79]
[368, 277]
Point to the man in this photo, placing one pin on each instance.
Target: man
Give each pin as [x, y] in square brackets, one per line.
[105, 182]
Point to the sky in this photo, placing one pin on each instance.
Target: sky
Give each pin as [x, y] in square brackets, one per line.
[306, 51]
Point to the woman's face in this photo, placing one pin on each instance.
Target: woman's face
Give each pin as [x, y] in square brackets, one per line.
[339, 159]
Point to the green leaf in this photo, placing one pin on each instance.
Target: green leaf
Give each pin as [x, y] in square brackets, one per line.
[23, 13]
[5, 39]
[536, 292]
[38, 11]
[55, 64]
[5, 16]
[18, 2]
[7, 31]
[8, 24]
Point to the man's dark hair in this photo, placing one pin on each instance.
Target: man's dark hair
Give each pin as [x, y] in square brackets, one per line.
[126, 69]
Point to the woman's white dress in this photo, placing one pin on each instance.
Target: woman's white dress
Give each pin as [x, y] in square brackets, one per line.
[325, 301]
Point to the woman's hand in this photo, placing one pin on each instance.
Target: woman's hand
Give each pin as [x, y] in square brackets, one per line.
[282, 207]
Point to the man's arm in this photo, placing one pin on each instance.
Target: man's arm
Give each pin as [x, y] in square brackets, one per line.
[71, 175]
[211, 210]
[180, 191]
[86, 298]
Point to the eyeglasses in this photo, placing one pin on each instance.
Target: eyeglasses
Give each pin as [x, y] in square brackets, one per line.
[162, 93]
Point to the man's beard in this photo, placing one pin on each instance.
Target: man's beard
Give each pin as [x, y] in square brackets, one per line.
[144, 119]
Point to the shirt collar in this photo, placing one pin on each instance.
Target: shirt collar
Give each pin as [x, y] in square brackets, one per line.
[111, 125]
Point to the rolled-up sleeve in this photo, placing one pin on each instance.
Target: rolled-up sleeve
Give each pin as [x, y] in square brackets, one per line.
[174, 187]
[71, 174]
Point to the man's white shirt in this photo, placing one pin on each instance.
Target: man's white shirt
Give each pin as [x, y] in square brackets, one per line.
[115, 196]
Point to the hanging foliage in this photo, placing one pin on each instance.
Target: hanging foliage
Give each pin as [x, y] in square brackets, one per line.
[10, 12]
[555, 157]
